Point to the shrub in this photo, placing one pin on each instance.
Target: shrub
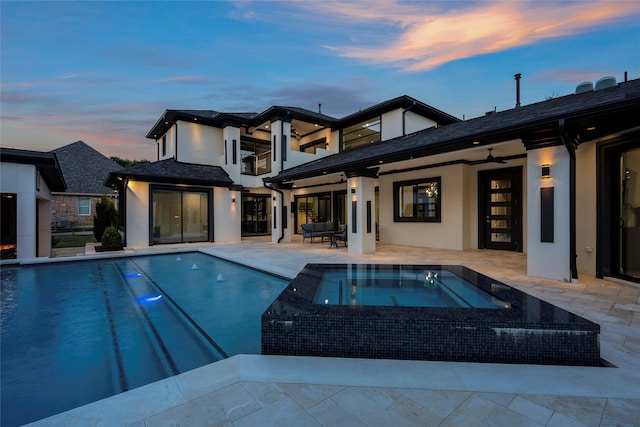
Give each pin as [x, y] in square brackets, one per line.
[111, 240]
[106, 216]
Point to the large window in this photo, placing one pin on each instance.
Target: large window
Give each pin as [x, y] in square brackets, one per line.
[417, 200]
[180, 216]
[84, 207]
[361, 133]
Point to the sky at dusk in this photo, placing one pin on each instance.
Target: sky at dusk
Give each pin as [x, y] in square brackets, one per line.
[104, 72]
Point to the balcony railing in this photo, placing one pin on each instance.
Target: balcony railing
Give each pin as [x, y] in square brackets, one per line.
[256, 164]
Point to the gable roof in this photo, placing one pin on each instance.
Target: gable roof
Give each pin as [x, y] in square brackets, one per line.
[84, 169]
[46, 163]
[589, 115]
[170, 171]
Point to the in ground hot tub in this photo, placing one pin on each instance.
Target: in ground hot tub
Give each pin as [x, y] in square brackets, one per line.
[422, 312]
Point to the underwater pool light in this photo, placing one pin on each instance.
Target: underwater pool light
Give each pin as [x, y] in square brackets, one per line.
[151, 299]
[132, 275]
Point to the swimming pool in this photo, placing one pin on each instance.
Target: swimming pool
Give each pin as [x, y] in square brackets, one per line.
[75, 332]
[422, 312]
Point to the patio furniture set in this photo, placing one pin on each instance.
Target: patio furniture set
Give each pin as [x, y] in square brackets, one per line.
[324, 231]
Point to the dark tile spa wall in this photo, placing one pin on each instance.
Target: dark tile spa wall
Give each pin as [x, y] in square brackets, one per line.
[531, 331]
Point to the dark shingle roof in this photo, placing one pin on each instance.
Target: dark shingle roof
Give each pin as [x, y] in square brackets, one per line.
[621, 103]
[46, 163]
[173, 172]
[403, 101]
[84, 169]
[278, 112]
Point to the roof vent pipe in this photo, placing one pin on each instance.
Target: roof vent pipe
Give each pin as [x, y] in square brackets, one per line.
[319, 108]
[517, 78]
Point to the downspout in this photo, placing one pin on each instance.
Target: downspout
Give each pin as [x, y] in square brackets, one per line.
[564, 137]
[404, 126]
[281, 219]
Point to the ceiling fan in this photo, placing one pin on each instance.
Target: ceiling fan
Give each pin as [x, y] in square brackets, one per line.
[489, 159]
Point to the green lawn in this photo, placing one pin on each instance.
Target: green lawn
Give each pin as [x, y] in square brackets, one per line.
[72, 241]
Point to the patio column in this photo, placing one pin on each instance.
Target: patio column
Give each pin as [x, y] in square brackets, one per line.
[361, 220]
[281, 216]
[548, 220]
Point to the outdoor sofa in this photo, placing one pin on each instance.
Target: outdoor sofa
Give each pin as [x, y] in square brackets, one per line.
[320, 230]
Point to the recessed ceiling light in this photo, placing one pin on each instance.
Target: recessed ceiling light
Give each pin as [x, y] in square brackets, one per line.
[476, 142]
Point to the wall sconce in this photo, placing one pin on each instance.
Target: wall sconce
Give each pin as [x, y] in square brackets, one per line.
[233, 200]
[546, 171]
[353, 191]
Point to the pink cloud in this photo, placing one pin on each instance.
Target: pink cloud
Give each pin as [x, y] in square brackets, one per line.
[427, 38]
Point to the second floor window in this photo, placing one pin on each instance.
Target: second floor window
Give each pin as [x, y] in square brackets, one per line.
[362, 133]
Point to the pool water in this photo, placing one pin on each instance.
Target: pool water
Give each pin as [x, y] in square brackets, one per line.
[400, 285]
[76, 332]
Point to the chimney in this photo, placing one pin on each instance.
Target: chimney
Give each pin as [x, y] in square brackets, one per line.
[517, 78]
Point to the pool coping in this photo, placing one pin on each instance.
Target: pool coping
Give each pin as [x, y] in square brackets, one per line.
[141, 403]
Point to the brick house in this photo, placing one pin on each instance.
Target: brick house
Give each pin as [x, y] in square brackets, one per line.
[84, 170]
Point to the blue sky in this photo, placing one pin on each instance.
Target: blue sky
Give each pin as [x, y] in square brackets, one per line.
[103, 72]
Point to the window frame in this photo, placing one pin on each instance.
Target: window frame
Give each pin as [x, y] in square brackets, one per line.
[79, 207]
[416, 183]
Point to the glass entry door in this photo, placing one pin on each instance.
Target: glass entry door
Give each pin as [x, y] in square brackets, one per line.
[629, 208]
[500, 209]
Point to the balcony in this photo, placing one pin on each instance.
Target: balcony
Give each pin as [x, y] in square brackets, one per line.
[256, 164]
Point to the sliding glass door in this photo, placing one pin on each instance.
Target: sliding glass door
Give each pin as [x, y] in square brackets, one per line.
[180, 216]
[312, 208]
[627, 250]
[256, 215]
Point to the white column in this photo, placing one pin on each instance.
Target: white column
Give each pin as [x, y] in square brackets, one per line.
[279, 128]
[361, 222]
[226, 217]
[230, 134]
[281, 223]
[549, 259]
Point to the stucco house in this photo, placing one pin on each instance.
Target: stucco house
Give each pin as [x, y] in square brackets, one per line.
[555, 179]
[27, 180]
[84, 170]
